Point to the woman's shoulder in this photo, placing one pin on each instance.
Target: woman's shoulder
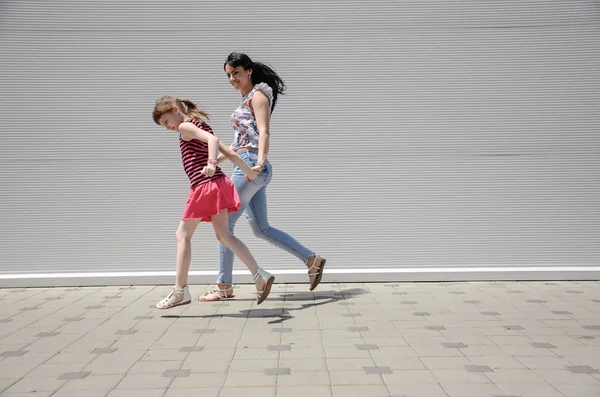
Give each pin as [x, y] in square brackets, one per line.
[265, 89]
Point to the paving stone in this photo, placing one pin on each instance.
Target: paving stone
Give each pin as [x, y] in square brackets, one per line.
[458, 345]
[281, 329]
[126, 332]
[536, 301]
[31, 387]
[47, 334]
[409, 302]
[5, 320]
[75, 375]
[278, 348]
[367, 347]
[513, 327]
[191, 349]
[505, 395]
[94, 307]
[205, 331]
[146, 382]
[561, 312]
[143, 318]
[421, 314]
[472, 302]
[105, 350]
[435, 327]
[13, 353]
[358, 329]
[177, 373]
[278, 371]
[591, 327]
[73, 319]
[478, 368]
[582, 369]
[378, 370]
[574, 292]
[543, 345]
[490, 313]
[53, 298]
[351, 315]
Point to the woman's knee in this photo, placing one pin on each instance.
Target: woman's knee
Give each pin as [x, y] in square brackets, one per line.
[260, 230]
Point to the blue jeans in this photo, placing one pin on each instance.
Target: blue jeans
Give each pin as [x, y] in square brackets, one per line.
[253, 196]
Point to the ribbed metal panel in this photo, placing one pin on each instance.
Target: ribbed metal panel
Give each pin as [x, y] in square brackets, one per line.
[414, 134]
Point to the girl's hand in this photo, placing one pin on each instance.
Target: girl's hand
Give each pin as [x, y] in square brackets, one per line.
[209, 170]
[253, 174]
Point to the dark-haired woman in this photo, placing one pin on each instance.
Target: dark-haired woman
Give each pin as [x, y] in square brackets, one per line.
[260, 87]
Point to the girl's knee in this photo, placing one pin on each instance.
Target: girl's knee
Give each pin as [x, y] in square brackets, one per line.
[182, 236]
[225, 238]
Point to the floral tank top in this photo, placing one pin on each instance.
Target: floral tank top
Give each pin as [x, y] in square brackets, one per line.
[244, 122]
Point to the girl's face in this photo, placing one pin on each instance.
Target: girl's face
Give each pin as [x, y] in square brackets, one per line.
[239, 77]
[171, 120]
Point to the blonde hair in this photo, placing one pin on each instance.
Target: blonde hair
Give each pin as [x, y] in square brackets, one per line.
[168, 103]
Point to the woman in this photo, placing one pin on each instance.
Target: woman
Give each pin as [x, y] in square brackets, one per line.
[259, 86]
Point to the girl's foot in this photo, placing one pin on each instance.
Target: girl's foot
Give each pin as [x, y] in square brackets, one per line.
[264, 281]
[220, 291]
[315, 265]
[176, 298]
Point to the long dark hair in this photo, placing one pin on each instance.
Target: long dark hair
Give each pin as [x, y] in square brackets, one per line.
[261, 73]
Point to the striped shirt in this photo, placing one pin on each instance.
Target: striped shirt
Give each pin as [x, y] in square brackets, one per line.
[194, 156]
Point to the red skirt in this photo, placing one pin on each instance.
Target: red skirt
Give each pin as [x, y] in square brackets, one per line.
[210, 198]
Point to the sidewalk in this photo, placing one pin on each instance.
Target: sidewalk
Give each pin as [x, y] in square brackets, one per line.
[528, 339]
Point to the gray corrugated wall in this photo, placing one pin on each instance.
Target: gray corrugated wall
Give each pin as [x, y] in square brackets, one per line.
[415, 134]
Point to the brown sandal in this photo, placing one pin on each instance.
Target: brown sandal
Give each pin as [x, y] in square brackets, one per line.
[317, 263]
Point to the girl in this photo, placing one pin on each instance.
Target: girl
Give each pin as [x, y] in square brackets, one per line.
[212, 195]
[259, 86]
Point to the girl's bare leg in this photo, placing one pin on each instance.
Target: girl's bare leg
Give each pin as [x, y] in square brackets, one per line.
[239, 249]
[179, 296]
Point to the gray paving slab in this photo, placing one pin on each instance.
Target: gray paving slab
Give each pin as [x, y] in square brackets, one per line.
[464, 339]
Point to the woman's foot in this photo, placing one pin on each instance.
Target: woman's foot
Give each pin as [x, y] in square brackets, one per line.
[315, 265]
[264, 281]
[178, 297]
[217, 293]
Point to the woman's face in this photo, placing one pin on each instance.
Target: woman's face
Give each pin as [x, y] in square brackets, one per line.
[239, 77]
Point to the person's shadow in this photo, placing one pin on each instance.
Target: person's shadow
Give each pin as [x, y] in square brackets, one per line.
[281, 314]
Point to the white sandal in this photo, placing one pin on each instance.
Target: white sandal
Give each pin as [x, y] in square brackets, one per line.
[216, 293]
[166, 303]
[269, 279]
